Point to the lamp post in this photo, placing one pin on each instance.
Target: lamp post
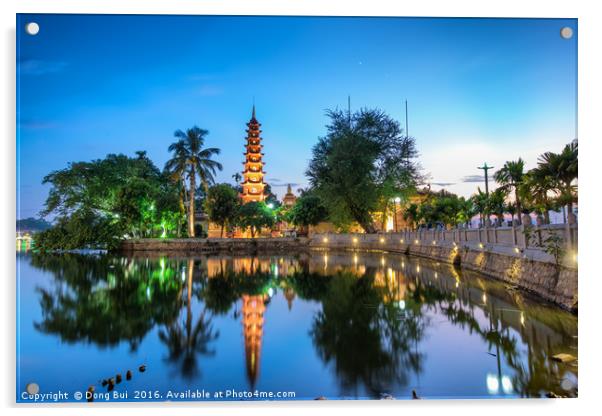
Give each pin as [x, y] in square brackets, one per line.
[486, 168]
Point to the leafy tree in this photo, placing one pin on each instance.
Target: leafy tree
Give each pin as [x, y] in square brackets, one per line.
[190, 159]
[99, 202]
[222, 204]
[308, 210]
[255, 216]
[411, 215]
[511, 177]
[33, 224]
[362, 159]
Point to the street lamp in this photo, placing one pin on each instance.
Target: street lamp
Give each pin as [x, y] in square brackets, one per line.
[271, 205]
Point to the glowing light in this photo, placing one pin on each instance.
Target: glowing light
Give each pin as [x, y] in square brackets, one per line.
[382, 240]
[457, 283]
[183, 276]
[522, 319]
[493, 384]
[402, 304]
[403, 265]
[436, 275]
[418, 269]
[516, 250]
[270, 292]
[271, 206]
[148, 292]
[484, 298]
[480, 245]
[397, 200]
[434, 242]
[382, 261]
[507, 385]
[355, 259]
[575, 257]
[416, 241]
[325, 239]
[354, 240]
[401, 241]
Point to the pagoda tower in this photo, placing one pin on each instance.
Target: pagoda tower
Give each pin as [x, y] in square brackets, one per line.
[252, 184]
[253, 308]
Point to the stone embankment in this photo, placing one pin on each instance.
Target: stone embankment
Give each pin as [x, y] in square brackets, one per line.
[215, 245]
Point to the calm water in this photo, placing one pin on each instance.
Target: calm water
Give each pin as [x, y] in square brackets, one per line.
[337, 325]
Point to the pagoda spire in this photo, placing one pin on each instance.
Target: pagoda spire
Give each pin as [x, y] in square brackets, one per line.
[253, 185]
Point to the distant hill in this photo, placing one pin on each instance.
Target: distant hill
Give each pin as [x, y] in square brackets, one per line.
[32, 225]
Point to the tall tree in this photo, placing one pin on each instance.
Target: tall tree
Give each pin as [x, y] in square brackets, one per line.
[255, 216]
[189, 159]
[511, 177]
[362, 159]
[222, 204]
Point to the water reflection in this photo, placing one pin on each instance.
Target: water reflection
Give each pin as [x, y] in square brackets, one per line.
[377, 330]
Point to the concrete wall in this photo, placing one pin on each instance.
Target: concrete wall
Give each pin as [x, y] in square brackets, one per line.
[214, 245]
[530, 268]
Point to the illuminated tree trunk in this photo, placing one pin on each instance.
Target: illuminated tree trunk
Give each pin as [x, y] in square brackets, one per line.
[191, 202]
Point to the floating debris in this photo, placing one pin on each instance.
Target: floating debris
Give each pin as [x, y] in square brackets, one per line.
[128, 375]
[142, 368]
[564, 358]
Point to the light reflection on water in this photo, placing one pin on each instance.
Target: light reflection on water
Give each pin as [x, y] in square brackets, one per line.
[332, 324]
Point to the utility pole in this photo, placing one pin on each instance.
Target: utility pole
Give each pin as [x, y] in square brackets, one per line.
[407, 133]
[486, 168]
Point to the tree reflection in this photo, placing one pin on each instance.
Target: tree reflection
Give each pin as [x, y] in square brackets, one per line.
[185, 341]
[368, 342]
[104, 300]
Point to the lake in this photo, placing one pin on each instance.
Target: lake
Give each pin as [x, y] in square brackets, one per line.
[334, 325]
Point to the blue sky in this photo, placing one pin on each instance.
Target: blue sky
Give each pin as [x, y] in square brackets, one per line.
[478, 89]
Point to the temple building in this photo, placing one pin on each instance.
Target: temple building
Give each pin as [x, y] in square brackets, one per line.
[290, 198]
[253, 186]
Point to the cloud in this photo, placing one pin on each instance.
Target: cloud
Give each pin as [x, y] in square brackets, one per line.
[210, 90]
[274, 182]
[443, 183]
[40, 67]
[473, 178]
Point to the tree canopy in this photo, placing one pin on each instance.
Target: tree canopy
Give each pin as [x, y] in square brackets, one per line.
[363, 159]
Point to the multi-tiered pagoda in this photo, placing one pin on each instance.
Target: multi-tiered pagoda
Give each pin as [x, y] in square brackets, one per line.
[253, 185]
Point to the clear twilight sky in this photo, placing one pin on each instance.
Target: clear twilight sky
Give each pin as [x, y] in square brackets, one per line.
[478, 89]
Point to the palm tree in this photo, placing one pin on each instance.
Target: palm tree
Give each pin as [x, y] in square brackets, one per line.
[191, 159]
[496, 205]
[511, 177]
[562, 169]
[481, 205]
[536, 191]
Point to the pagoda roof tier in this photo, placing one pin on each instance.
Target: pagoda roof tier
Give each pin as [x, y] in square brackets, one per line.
[253, 145]
[244, 172]
[247, 182]
[254, 153]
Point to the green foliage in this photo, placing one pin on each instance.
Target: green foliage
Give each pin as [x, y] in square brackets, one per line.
[98, 203]
[363, 159]
[511, 177]
[441, 208]
[308, 210]
[222, 205]
[255, 216]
